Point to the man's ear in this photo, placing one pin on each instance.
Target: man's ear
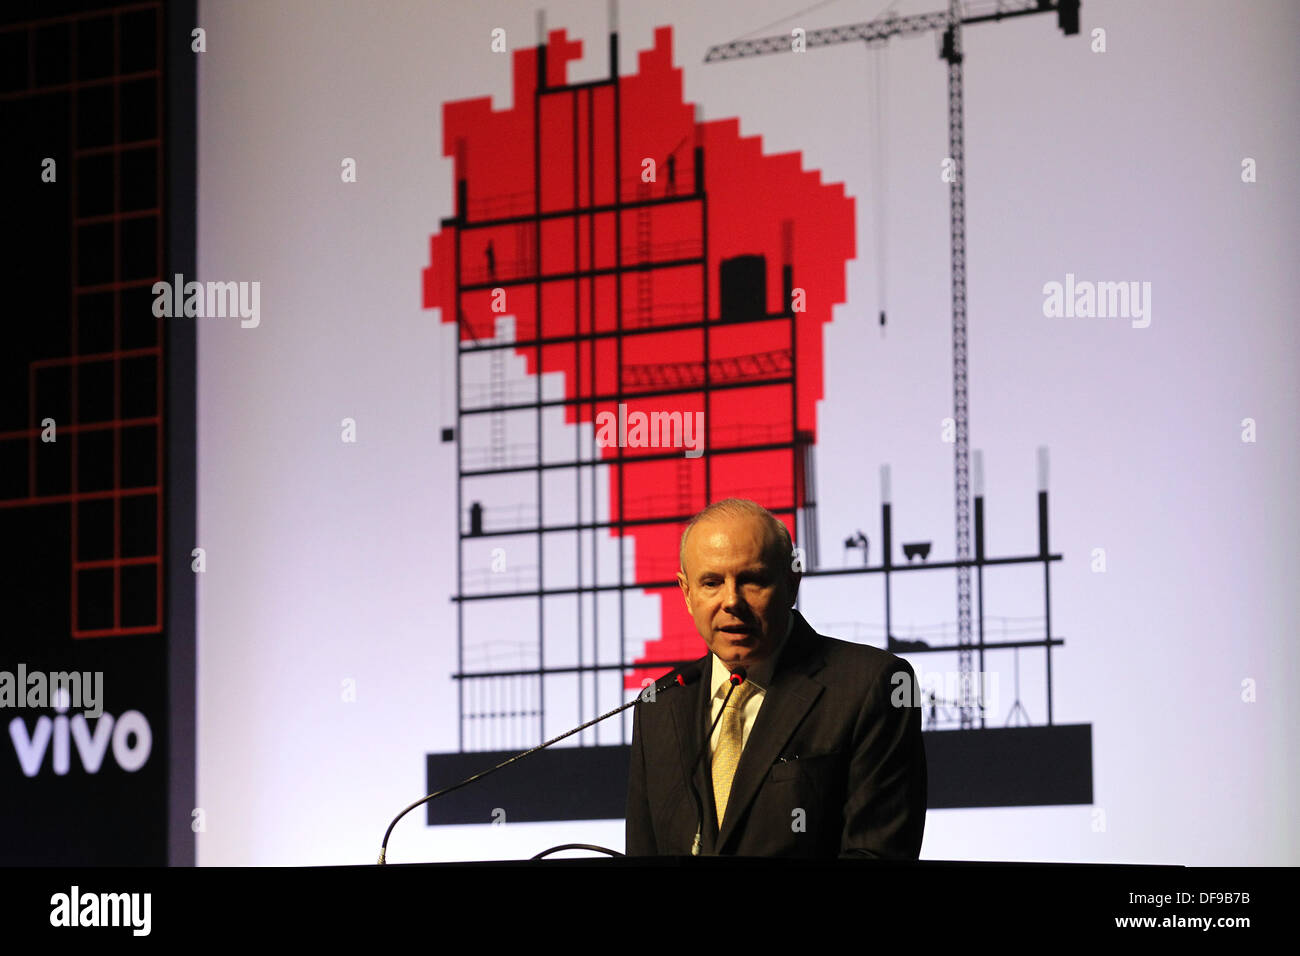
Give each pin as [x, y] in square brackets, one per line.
[686, 589]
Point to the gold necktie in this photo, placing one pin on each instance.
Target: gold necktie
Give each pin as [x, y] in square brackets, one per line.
[727, 754]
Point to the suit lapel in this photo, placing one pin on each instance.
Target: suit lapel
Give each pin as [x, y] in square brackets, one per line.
[690, 720]
[790, 694]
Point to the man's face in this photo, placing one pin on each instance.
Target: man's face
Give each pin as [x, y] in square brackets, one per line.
[736, 588]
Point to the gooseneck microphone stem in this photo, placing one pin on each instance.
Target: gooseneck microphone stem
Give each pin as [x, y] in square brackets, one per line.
[736, 679]
[683, 677]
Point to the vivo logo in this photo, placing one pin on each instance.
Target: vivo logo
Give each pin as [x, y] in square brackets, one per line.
[128, 735]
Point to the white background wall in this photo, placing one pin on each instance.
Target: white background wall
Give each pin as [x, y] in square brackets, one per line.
[329, 561]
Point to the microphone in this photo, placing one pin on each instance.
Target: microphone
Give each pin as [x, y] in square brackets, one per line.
[682, 677]
[736, 679]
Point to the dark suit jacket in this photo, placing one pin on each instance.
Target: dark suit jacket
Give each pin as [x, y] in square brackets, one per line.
[827, 741]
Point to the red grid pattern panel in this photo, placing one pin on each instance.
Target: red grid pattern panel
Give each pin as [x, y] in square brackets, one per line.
[105, 397]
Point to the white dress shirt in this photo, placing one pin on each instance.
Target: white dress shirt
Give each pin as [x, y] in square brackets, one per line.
[758, 676]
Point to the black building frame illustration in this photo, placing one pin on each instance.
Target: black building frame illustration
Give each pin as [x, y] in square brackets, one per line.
[503, 709]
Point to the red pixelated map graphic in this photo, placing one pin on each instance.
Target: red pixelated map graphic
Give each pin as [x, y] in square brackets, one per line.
[654, 261]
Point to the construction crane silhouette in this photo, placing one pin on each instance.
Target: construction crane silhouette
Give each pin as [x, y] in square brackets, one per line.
[949, 24]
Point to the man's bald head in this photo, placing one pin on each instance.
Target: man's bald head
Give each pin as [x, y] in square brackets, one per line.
[782, 554]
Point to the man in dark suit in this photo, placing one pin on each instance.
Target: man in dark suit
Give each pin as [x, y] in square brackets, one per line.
[819, 751]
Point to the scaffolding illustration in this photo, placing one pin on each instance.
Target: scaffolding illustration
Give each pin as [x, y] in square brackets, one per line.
[545, 534]
[1027, 633]
[554, 554]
